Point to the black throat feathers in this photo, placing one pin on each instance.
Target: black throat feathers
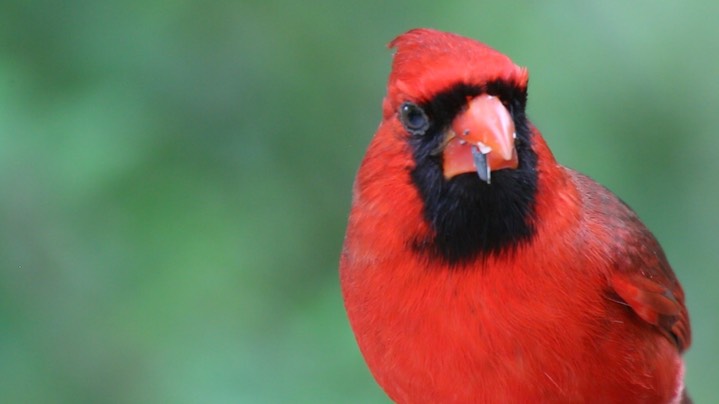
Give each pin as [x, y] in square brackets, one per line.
[471, 219]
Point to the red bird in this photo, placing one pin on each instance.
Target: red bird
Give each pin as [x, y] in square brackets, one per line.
[476, 269]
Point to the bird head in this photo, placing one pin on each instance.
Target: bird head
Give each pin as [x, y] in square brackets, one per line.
[457, 93]
[459, 108]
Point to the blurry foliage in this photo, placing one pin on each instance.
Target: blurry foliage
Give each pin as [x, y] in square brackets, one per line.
[176, 178]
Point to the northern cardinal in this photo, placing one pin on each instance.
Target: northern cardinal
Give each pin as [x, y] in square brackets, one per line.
[476, 269]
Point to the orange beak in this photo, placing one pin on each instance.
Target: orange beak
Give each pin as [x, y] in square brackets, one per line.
[481, 140]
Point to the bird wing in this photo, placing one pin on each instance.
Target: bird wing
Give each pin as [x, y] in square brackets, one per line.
[656, 299]
[640, 274]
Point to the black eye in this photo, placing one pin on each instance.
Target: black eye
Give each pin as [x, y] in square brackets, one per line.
[413, 118]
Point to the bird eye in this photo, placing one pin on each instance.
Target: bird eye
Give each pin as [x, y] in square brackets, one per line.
[413, 118]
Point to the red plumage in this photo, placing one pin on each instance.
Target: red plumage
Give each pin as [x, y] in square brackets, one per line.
[574, 302]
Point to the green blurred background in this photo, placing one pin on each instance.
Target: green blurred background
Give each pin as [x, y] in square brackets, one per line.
[176, 177]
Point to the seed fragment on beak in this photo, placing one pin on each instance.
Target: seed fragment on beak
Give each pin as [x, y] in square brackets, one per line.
[480, 162]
